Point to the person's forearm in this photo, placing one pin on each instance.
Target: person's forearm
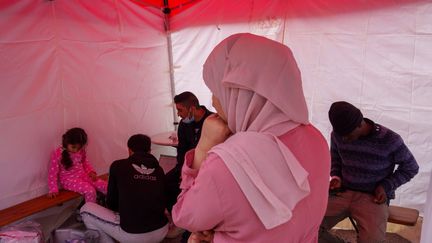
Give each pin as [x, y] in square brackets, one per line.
[200, 155]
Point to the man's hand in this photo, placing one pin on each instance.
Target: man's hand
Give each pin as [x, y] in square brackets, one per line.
[214, 131]
[201, 236]
[380, 195]
[52, 194]
[335, 183]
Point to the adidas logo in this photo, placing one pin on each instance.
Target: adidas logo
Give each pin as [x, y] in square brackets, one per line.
[143, 170]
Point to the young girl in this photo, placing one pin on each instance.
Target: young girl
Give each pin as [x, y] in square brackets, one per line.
[69, 164]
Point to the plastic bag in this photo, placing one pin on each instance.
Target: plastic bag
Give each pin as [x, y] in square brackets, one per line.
[76, 236]
[24, 232]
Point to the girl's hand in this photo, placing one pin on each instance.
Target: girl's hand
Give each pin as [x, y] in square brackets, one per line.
[93, 176]
[215, 131]
[52, 194]
[201, 236]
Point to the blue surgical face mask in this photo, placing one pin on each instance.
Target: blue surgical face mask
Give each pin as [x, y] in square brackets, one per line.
[189, 119]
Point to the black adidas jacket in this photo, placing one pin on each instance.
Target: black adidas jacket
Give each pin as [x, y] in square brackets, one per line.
[136, 189]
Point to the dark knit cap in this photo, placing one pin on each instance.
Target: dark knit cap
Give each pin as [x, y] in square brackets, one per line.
[344, 117]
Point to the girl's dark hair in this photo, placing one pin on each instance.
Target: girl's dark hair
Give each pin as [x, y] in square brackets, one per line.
[74, 135]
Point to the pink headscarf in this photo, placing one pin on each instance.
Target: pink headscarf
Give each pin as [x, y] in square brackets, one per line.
[259, 86]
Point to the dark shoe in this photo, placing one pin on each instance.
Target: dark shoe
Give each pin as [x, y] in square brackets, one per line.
[185, 237]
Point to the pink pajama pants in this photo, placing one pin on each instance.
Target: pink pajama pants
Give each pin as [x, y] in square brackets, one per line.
[86, 187]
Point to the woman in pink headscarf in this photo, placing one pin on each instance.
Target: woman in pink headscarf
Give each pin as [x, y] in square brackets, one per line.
[260, 170]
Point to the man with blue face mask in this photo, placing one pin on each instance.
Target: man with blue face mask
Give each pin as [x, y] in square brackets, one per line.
[192, 116]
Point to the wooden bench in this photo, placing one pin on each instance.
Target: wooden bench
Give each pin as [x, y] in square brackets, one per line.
[36, 205]
[401, 215]
[398, 215]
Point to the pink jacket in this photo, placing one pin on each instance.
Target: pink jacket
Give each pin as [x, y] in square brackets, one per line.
[211, 199]
[80, 168]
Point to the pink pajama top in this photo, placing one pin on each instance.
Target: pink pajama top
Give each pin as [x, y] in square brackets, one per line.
[212, 199]
[79, 170]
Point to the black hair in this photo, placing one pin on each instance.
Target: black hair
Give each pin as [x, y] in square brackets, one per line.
[139, 143]
[187, 99]
[74, 135]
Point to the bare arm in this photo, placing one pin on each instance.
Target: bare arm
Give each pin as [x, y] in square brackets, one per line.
[215, 131]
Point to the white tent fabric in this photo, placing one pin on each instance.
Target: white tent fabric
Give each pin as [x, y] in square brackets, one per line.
[426, 233]
[104, 66]
[377, 59]
[100, 65]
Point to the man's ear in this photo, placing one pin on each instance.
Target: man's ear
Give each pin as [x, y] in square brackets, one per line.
[362, 123]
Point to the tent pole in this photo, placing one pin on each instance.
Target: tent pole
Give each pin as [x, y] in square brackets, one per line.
[166, 12]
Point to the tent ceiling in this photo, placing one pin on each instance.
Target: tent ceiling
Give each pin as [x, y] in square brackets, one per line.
[175, 6]
[235, 11]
